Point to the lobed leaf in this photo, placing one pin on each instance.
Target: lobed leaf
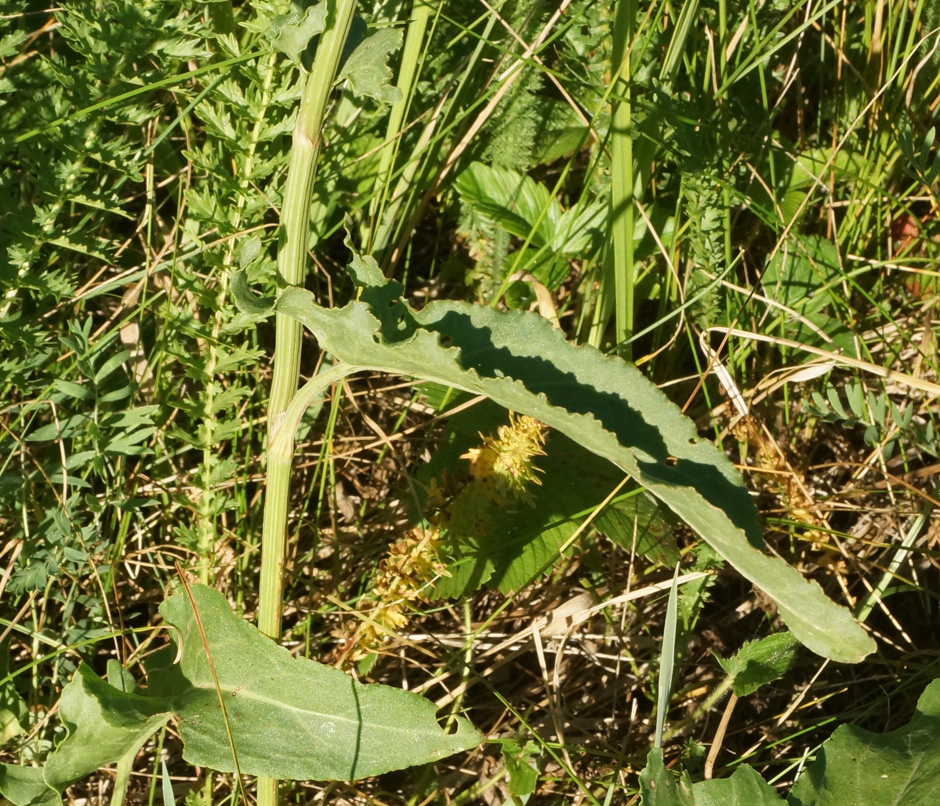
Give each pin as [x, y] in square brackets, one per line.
[366, 67]
[292, 32]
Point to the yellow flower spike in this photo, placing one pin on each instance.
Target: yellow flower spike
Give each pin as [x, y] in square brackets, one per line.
[506, 461]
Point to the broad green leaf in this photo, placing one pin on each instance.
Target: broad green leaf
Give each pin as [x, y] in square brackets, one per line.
[366, 67]
[898, 768]
[104, 725]
[801, 275]
[520, 361]
[804, 277]
[760, 662]
[744, 788]
[290, 717]
[25, 786]
[659, 787]
[580, 230]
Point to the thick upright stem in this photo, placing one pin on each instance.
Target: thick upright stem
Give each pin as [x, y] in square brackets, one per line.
[295, 210]
[291, 264]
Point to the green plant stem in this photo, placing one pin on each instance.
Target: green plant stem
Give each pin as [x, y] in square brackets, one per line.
[274, 531]
[622, 178]
[222, 16]
[901, 555]
[292, 254]
[295, 210]
[411, 59]
[718, 693]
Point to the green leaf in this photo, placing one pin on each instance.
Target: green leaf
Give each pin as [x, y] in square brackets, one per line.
[804, 277]
[73, 390]
[659, 787]
[581, 230]
[744, 788]
[25, 786]
[520, 361]
[290, 717]
[512, 200]
[760, 662]
[166, 786]
[856, 766]
[248, 251]
[293, 31]
[523, 777]
[14, 713]
[366, 67]
[257, 308]
[104, 724]
[111, 365]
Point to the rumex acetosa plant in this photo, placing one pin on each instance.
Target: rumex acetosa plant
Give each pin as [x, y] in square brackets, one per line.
[228, 113]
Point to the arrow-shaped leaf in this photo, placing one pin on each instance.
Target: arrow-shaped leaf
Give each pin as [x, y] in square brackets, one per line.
[289, 717]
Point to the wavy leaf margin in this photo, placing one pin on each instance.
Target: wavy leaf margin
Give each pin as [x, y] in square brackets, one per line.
[520, 361]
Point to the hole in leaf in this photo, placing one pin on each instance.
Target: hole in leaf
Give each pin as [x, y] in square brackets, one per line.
[448, 725]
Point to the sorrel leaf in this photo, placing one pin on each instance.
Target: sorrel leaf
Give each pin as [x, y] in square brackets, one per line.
[521, 362]
[289, 717]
